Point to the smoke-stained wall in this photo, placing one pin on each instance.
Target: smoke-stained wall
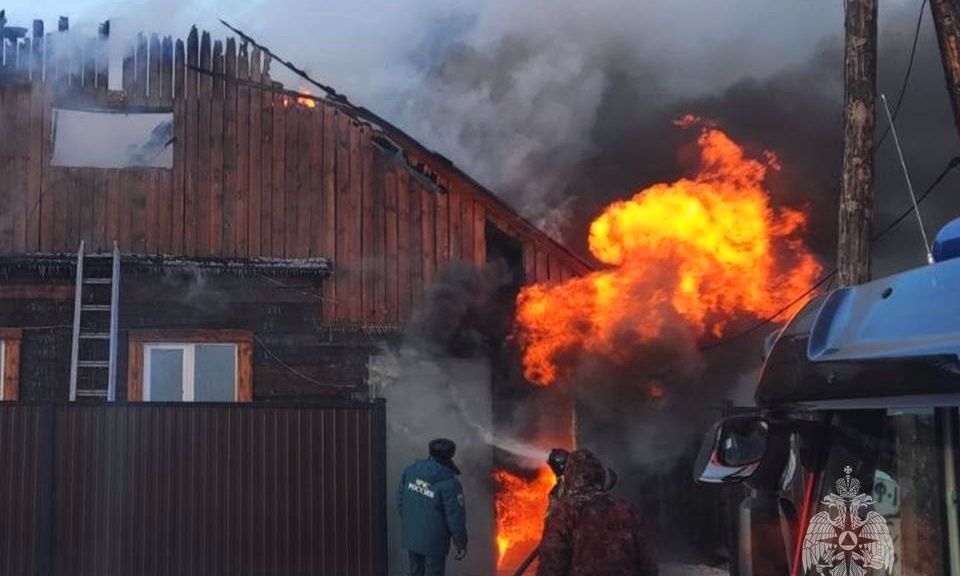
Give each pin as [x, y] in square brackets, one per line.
[316, 358]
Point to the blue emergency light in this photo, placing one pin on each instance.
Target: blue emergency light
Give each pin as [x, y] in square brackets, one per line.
[946, 246]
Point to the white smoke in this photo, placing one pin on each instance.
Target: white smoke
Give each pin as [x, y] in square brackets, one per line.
[507, 89]
[510, 90]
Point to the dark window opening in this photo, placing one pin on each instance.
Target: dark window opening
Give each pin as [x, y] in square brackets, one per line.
[506, 251]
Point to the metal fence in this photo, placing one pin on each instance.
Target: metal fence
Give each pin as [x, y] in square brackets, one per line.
[182, 489]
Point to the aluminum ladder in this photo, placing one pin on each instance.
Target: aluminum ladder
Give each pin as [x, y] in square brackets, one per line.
[93, 364]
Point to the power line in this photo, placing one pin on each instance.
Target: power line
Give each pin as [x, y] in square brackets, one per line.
[772, 317]
[906, 75]
[296, 372]
[953, 163]
[950, 165]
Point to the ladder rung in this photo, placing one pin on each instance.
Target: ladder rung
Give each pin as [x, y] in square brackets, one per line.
[100, 255]
[92, 364]
[97, 280]
[91, 393]
[94, 335]
[95, 307]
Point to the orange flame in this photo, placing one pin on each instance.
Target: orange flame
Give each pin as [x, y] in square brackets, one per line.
[306, 100]
[708, 248]
[521, 506]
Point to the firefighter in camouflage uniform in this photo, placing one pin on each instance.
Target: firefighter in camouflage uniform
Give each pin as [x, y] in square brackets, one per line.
[591, 533]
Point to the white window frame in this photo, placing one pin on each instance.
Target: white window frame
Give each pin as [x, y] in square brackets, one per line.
[188, 374]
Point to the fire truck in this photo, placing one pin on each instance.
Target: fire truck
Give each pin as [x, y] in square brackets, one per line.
[851, 455]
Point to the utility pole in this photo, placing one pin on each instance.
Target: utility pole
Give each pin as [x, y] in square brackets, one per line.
[859, 118]
[946, 20]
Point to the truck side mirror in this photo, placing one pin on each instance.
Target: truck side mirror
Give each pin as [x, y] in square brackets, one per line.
[732, 450]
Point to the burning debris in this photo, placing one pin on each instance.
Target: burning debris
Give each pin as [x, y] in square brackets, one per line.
[707, 249]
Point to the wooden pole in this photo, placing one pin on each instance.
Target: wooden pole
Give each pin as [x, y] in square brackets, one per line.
[946, 20]
[856, 194]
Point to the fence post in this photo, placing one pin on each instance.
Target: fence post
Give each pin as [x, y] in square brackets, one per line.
[45, 490]
[380, 487]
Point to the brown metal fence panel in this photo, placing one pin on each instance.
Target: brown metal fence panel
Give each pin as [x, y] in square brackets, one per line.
[184, 489]
[20, 438]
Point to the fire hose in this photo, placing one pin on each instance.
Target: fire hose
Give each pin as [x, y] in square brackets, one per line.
[609, 483]
[526, 563]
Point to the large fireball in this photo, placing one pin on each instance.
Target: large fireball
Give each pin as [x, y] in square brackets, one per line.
[709, 249]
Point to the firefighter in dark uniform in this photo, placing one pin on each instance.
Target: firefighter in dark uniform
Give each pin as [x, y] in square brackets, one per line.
[592, 533]
[431, 507]
[557, 461]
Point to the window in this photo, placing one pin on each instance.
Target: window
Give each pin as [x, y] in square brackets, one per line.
[190, 372]
[896, 457]
[107, 139]
[10, 363]
[199, 366]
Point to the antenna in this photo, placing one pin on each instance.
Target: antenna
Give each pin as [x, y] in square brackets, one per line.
[906, 176]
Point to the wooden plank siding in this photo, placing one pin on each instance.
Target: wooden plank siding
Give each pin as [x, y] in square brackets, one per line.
[257, 172]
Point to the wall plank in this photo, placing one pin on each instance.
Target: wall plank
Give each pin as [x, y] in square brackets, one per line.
[377, 262]
[36, 162]
[391, 241]
[100, 212]
[242, 216]
[543, 274]
[191, 185]
[291, 178]
[304, 205]
[7, 127]
[266, 173]
[179, 163]
[113, 207]
[278, 213]
[315, 183]
[225, 239]
[466, 229]
[443, 227]
[529, 262]
[254, 229]
[166, 72]
[139, 94]
[368, 253]
[330, 221]
[155, 72]
[46, 215]
[479, 235]
[205, 163]
[428, 238]
[217, 200]
[354, 261]
[150, 215]
[403, 246]
[416, 243]
[342, 261]
[455, 230]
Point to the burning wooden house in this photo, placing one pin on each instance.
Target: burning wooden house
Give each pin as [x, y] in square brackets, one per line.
[196, 267]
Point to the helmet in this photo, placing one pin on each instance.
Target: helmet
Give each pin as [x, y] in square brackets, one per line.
[557, 461]
[442, 449]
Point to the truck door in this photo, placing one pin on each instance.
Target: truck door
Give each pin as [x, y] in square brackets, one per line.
[884, 502]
